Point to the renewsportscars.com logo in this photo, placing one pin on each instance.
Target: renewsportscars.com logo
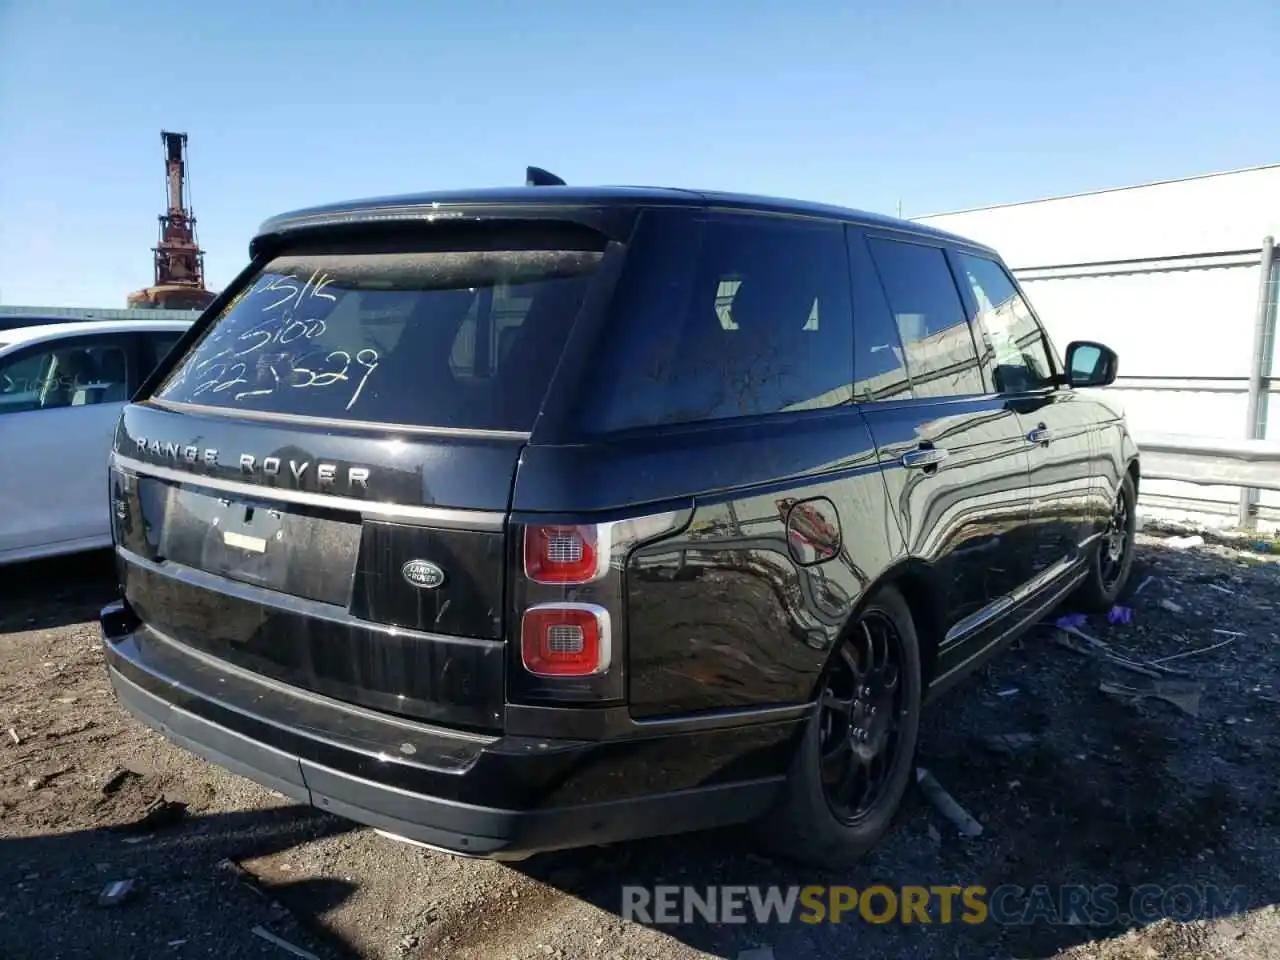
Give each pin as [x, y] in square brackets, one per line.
[1103, 905]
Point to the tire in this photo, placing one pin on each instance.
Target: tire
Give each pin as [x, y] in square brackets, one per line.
[1108, 573]
[806, 825]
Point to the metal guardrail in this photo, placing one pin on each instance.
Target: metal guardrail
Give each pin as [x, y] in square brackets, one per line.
[97, 313]
[1210, 460]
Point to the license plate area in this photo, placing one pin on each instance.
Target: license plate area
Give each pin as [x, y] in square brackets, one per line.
[290, 548]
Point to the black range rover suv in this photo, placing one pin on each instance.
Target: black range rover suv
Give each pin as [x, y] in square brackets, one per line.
[516, 520]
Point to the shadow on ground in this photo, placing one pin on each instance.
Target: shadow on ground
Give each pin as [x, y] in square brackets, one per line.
[188, 891]
[45, 594]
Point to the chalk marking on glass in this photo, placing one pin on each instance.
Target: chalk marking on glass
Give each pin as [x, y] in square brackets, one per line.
[262, 393]
[318, 291]
[208, 360]
[371, 366]
[213, 381]
[282, 337]
[263, 329]
[279, 283]
[303, 292]
[332, 376]
[237, 378]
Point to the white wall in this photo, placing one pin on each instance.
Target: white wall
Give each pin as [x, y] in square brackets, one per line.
[1227, 211]
[1192, 323]
[1169, 318]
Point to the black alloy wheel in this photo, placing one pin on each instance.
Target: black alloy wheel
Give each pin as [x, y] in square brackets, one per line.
[1111, 559]
[855, 752]
[1117, 541]
[861, 709]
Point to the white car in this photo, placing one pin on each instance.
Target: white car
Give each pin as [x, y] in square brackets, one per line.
[62, 387]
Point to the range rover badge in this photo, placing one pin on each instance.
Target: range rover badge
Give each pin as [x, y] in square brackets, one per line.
[423, 574]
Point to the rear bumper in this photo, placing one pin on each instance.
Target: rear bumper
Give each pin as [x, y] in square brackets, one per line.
[498, 797]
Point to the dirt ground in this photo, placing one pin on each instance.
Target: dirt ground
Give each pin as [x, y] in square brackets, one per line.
[1103, 789]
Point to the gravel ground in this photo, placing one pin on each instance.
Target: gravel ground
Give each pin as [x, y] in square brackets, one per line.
[1105, 789]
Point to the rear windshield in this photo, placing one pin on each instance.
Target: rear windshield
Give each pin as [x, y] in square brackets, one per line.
[466, 339]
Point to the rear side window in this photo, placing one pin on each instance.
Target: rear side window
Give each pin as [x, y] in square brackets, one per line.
[922, 294]
[730, 317]
[457, 338]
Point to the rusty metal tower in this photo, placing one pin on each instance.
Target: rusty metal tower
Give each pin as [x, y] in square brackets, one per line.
[179, 281]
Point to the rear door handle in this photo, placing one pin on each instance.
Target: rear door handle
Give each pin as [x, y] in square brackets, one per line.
[924, 457]
[1041, 434]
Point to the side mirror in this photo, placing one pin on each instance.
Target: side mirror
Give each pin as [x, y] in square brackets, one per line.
[1090, 364]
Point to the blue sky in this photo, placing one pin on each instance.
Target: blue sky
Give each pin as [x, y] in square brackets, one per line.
[937, 105]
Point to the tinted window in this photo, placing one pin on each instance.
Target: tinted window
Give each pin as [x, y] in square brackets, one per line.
[65, 374]
[930, 316]
[879, 364]
[1013, 345]
[454, 338]
[159, 343]
[753, 319]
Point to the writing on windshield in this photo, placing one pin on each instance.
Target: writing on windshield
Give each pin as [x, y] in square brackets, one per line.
[279, 344]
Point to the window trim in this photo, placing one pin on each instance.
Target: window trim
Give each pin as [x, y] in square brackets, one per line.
[919, 240]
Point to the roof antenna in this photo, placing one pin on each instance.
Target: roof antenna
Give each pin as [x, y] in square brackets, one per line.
[537, 177]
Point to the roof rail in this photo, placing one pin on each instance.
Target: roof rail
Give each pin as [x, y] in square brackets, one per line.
[537, 177]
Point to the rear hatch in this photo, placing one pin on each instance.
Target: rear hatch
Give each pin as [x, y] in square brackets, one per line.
[317, 491]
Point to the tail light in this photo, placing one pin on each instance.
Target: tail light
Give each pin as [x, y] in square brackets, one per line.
[566, 555]
[119, 488]
[565, 640]
[567, 606]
